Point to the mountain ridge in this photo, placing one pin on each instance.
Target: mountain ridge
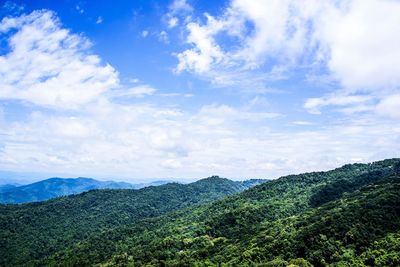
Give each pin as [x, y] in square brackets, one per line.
[56, 187]
[58, 222]
[255, 227]
[348, 216]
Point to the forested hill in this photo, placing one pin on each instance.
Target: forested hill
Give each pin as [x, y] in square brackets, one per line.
[35, 230]
[349, 216]
[55, 187]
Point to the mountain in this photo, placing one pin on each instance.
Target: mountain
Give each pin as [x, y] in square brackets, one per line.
[56, 187]
[349, 216]
[7, 187]
[153, 183]
[34, 231]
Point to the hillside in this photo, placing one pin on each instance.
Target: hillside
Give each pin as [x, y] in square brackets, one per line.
[7, 187]
[36, 230]
[344, 217]
[57, 187]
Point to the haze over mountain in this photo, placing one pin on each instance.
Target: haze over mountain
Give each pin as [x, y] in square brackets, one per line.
[56, 187]
[185, 88]
[143, 90]
[54, 224]
[349, 216]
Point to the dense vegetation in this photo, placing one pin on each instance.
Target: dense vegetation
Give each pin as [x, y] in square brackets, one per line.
[35, 230]
[349, 216]
[57, 187]
[54, 187]
[360, 229]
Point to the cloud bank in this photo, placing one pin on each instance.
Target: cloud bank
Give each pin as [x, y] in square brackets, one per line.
[47, 65]
[75, 121]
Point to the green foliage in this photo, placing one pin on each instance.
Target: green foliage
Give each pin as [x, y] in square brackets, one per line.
[36, 230]
[54, 187]
[349, 216]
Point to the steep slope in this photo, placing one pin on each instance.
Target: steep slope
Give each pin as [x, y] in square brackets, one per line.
[56, 187]
[282, 221]
[340, 232]
[36, 230]
[359, 229]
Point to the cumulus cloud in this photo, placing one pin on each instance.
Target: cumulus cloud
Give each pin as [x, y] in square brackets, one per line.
[352, 43]
[206, 52]
[355, 41]
[95, 134]
[48, 65]
[130, 140]
[363, 40]
[258, 31]
[149, 141]
[180, 6]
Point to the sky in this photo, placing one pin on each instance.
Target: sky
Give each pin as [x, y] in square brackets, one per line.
[142, 90]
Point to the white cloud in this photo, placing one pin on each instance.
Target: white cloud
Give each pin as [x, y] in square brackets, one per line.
[175, 95]
[363, 40]
[145, 33]
[2, 117]
[134, 80]
[302, 123]
[206, 52]
[135, 140]
[163, 37]
[180, 6]
[171, 164]
[106, 138]
[274, 33]
[79, 9]
[219, 114]
[48, 65]
[313, 105]
[355, 40]
[389, 106]
[136, 91]
[377, 104]
[12, 8]
[173, 22]
[99, 20]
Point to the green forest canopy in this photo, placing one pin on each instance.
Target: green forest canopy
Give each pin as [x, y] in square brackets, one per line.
[349, 216]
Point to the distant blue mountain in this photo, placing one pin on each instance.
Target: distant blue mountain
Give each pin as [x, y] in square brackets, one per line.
[56, 187]
[7, 187]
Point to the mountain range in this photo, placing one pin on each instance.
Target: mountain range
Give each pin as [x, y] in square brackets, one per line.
[349, 216]
[56, 187]
[35, 230]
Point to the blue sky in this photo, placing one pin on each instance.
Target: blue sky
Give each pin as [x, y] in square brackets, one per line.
[139, 90]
